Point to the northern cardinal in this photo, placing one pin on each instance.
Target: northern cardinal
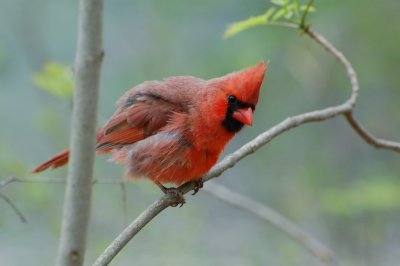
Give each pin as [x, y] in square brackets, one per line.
[173, 131]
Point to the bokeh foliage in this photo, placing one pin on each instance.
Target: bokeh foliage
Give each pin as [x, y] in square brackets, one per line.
[56, 79]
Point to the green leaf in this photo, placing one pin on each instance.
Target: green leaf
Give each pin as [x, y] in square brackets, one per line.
[310, 9]
[280, 13]
[279, 2]
[289, 14]
[296, 8]
[56, 79]
[269, 13]
[251, 22]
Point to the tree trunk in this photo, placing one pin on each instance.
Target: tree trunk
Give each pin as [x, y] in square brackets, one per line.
[88, 60]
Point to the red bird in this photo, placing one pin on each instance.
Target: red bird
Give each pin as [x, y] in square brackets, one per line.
[173, 131]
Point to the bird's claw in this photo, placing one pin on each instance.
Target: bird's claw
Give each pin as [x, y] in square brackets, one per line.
[198, 184]
[175, 193]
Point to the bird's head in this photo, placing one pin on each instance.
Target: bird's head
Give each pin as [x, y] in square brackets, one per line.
[239, 94]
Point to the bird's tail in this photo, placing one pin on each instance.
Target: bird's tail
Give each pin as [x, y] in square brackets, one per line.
[58, 160]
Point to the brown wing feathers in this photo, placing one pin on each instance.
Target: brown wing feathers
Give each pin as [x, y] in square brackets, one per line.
[141, 113]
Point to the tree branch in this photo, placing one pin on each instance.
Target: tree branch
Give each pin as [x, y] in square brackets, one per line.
[14, 207]
[14, 179]
[351, 73]
[272, 217]
[7, 181]
[76, 212]
[361, 131]
[369, 138]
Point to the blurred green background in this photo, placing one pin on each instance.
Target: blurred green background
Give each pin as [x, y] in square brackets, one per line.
[321, 176]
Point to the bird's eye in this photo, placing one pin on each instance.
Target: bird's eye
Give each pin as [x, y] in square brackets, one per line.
[231, 98]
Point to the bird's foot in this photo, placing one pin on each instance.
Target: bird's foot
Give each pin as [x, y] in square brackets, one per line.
[176, 193]
[198, 184]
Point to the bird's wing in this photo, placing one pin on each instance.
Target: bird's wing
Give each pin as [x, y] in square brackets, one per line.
[140, 115]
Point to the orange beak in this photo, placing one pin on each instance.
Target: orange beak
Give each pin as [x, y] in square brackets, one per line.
[244, 115]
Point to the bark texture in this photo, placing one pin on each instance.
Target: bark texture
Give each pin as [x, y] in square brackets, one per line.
[77, 202]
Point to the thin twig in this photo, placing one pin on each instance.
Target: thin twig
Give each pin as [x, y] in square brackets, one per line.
[284, 24]
[48, 180]
[14, 207]
[7, 181]
[369, 138]
[306, 11]
[362, 132]
[351, 73]
[124, 203]
[272, 217]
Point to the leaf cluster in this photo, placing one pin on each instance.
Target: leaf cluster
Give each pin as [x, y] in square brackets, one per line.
[281, 12]
[56, 79]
